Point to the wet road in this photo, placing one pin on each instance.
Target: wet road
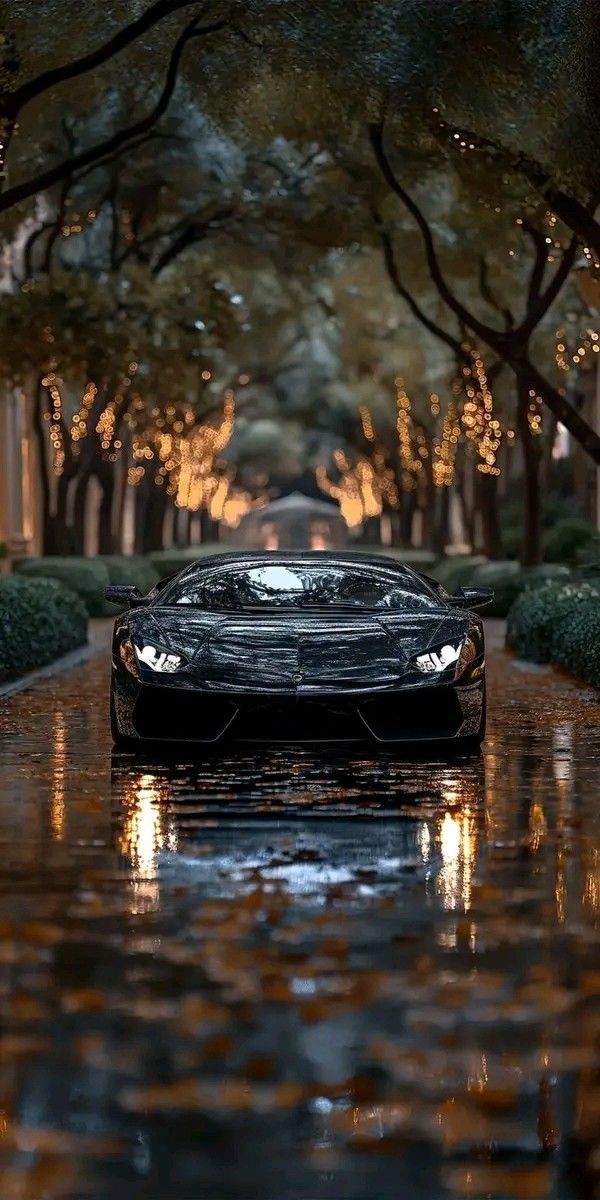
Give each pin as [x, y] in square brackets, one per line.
[291, 976]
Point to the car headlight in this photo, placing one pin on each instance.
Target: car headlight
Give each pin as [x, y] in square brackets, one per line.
[157, 659]
[452, 657]
[439, 659]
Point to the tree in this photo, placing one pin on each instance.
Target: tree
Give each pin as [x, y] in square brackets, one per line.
[107, 147]
[510, 344]
[14, 96]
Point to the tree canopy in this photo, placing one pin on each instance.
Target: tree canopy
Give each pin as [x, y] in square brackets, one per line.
[362, 222]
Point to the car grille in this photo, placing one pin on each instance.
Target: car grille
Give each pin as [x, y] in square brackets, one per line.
[426, 713]
[163, 713]
[175, 714]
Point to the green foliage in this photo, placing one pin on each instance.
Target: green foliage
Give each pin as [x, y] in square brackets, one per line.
[88, 577]
[512, 539]
[508, 580]
[589, 557]
[457, 571]
[124, 569]
[557, 504]
[539, 619]
[569, 540]
[40, 620]
[576, 645]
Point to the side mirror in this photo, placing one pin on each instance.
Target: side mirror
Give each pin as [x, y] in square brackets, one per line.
[125, 595]
[472, 597]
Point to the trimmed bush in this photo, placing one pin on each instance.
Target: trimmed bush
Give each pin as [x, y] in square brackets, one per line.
[508, 580]
[568, 540]
[457, 570]
[40, 620]
[539, 618]
[577, 644]
[512, 540]
[88, 577]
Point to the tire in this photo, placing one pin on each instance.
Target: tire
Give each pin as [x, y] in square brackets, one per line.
[118, 740]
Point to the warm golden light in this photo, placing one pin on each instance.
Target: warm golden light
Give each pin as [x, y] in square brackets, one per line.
[146, 832]
[59, 763]
[458, 845]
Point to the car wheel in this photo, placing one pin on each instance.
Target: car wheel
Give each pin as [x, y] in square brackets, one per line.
[119, 741]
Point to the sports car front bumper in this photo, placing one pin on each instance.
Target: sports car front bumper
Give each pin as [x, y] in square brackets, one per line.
[166, 714]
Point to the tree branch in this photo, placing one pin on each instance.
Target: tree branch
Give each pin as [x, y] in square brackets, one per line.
[539, 307]
[493, 337]
[108, 147]
[394, 275]
[576, 216]
[511, 346]
[88, 62]
[193, 233]
[539, 263]
[488, 295]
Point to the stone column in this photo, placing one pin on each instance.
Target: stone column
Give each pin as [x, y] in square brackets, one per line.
[16, 480]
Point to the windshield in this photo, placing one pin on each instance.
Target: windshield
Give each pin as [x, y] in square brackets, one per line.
[291, 585]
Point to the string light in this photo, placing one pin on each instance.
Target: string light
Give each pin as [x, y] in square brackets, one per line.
[445, 450]
[480, 425]
[367, 423]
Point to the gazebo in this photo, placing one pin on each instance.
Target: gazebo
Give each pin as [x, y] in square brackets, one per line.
[295, 522]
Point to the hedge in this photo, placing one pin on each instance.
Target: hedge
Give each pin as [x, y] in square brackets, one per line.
[508, 580]
[88, 577]
[559, 623]
[568, 540]
[40, 620]
[457, 570]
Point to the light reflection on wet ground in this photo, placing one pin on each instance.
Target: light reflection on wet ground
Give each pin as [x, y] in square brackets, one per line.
[295, 976]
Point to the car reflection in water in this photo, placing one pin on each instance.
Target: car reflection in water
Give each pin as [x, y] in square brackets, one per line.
[300, 822]
[343, 854]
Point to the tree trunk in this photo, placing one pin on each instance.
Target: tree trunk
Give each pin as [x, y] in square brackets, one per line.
[487, 503]
[395, 527]
[139, 509]
[442, 530]
[209, 529]
[106, 538]
[531, 547]
[79, 506]
[153, 519]
[408, 501]
[463, 491]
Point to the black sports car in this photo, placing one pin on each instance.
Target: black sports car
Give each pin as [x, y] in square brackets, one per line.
[307, 646]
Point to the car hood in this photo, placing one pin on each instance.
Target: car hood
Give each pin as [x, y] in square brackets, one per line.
[299, 651]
